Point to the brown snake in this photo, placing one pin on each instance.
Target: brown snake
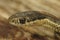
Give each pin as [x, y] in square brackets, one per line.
[36, 22]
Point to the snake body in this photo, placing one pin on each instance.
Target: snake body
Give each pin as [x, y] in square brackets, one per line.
[31, 16]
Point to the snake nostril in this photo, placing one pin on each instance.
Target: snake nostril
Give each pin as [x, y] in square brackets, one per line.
[22, 21]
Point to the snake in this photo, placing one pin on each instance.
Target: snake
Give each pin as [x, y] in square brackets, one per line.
[22, 18]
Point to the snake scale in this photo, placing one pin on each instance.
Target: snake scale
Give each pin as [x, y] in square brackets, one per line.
[34, 22]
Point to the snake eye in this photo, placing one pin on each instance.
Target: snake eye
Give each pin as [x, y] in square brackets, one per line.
[12, 20]
[22, 20]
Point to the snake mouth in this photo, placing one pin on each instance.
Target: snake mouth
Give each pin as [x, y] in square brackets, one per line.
[18, 21]
[24, 20]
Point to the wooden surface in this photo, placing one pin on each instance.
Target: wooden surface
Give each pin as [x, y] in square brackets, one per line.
[9, 7]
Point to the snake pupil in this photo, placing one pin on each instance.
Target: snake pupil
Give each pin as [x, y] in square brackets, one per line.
[22, 21]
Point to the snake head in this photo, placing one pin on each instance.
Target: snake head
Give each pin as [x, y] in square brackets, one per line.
[25, 17]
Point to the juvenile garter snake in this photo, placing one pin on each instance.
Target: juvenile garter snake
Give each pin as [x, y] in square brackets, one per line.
[32, 21]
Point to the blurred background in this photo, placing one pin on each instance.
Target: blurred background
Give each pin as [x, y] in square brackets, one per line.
[9, 7]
